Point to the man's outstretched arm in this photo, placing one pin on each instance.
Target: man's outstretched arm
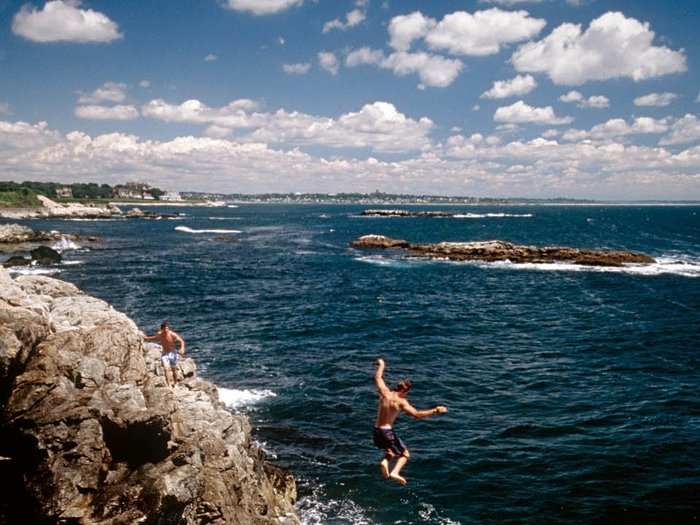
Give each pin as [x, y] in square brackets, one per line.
[150, 337]
[182, 343]
[421, 414]
[379, 377]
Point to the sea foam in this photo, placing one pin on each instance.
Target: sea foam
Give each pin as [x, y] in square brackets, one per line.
[245, 398]
[63, 245]
[186, 229]
[491, 215]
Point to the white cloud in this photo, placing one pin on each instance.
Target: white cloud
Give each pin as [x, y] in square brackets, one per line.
[684, 130]
[353, 18]
[462, 33]
[64, 21]
[211, 57]
[484, 32]
[522, 113]
[296, 69]
[475, 164]
[596, 101]
[520, 85]
[108, 92]
[404, 29]
[613, 46]
[262, 7]
[616, 128]
[658, 100]
[145, 84]
[328, 61]
[96, 112]
[379, 125]
[433, 70]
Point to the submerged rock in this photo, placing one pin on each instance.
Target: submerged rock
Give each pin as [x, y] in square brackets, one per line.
[45, 256]
[90, 432]
[505, 251]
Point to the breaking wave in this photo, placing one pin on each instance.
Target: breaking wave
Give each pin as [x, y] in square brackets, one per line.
[186, 229]
[492, 215]
[235, 399]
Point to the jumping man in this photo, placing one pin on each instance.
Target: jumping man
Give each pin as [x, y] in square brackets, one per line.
[391, 403]
[169, 357]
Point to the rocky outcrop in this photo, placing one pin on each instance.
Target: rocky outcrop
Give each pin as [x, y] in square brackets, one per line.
[16, 233]
[90, 433]
[137, 213]
[491, 251]
[56, 210]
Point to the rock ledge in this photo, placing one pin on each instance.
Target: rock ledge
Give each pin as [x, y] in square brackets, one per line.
[491, 251]
[91, 434]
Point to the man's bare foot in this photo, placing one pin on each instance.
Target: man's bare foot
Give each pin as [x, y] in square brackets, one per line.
[398, 479]
[384, 467]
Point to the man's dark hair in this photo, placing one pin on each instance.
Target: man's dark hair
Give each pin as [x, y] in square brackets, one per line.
[404, 385]
[164, 324]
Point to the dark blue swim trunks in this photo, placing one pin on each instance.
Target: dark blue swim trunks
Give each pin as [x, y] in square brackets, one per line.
[386, 439]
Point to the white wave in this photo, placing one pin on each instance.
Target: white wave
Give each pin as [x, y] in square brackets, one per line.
[232, 206]
[491, 215]
[224, 218]
[65, 244]
[24, 270]
[73, 263]
[317, 509]
[235, 399]
[92, 220]
[683, 267]
[428, 514]
[190, 230]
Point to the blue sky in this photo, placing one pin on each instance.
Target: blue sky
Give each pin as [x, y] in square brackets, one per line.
[576, 98]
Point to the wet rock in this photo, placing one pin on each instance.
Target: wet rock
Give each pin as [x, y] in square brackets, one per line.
[17, 260]
[90, 433]
[45, 256]
[492, 251]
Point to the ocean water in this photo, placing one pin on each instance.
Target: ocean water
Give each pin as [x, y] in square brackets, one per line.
[574, 393]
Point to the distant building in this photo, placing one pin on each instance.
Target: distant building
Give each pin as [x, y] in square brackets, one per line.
[171, 196]
[133, 190]
[64, 192]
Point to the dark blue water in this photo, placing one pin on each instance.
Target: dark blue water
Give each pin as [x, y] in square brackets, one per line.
[573, 393]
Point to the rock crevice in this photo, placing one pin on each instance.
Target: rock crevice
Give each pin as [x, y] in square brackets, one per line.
[91, 433]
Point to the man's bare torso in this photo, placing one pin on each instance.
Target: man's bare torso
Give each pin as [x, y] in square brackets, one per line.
[167, 340]
[389, 408]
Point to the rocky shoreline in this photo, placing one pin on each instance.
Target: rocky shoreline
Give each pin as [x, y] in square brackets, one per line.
[90, 432]
[492, 251]
[76, 210]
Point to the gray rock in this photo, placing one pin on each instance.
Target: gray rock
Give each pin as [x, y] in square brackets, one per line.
[91, 433]
[45, 256]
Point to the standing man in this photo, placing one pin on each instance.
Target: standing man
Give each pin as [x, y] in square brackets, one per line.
[391, 403]
[169, 357]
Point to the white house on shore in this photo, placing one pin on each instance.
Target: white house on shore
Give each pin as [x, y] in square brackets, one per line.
[172, 196]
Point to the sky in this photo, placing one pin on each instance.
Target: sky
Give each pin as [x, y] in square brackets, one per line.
[505, 98]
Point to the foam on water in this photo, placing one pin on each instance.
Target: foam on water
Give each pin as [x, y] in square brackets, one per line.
[319, 509]
[491, 215]
[187, 229]
[235, 399]
[73, 263]
[232, 206]
[63, 245]
[224, 218]
[663, 266]
[683, 267]
[23, 270]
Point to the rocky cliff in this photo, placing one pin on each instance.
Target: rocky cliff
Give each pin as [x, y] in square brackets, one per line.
[90, 433]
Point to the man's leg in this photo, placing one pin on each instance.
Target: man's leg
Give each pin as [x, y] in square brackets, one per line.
[400, 463]
[168, 373]
[384, 464]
